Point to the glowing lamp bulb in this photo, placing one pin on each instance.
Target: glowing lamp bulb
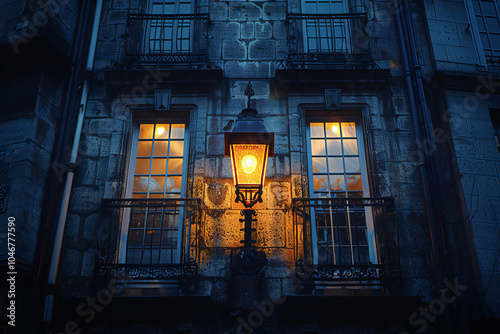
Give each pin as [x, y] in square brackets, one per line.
[335, 128]
[160, 130]
[249, 163]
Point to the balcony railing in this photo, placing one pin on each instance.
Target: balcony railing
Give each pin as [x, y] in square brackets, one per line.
[347, 241]
[148, 238]
[178, 40]
[328, 40]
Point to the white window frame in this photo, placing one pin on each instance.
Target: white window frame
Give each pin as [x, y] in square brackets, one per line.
[370, 232]
[475, 30]
[122, 248]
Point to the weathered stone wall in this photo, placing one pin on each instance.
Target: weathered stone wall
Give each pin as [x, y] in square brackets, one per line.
[478, 162]
[26, 146]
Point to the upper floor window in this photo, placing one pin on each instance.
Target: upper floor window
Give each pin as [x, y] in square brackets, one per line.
[169, 30]
[485, 20]
[340, 234]
[325, 33]
[171, 7]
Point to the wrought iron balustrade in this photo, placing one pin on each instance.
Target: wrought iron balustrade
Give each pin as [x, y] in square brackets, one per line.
[328, 40]
[347, 241]
[148, 238]
[178, 40]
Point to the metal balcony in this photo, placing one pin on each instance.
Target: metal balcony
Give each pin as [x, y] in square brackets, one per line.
[328, 41]
[346, 241]
[148, 238]
[174, 41]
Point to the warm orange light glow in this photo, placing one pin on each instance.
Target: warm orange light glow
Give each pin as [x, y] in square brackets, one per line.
[249, 163]
[160, 130]
[335, 128]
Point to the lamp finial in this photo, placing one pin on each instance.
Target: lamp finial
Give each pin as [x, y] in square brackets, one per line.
[249, 92]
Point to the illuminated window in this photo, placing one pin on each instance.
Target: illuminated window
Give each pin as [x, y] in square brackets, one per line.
[341, 234]
[159, 161]
[157, 171]
[335, 160]
[484, 16]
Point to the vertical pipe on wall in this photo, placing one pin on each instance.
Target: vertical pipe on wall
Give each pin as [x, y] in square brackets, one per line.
[420, 121]
[61, 223]
[89, 67]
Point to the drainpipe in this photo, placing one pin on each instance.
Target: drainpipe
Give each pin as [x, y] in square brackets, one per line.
[418, 110]
[441, 228]
[61, 223]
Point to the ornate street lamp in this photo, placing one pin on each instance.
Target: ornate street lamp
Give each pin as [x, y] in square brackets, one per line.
[249, 146]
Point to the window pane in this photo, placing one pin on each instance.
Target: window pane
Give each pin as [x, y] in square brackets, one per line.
[480, 23]
[176, 149]
[354, 183]
[317, 130]
[175, 166]
[144, 148]
[174, 184]
[157, 184]
[318, 147]
[160, 149]
[488, 8]
[352, 165]
[159, 166]
[320, 182]
[333, 130]
[350, 147]
[146, 131]
[337, 183]
[334, 147]
[319, 165]
[137, 219]
[335, 165]
[142, 166]
[162, 131]
[177, 131]
[348, 129]
[493, 24]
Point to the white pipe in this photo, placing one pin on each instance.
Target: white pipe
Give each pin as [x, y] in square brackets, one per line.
[79, 122]
[85, 89]
[61, 223]
[93, 38]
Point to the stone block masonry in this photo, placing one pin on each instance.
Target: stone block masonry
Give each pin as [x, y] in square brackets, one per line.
[249, 34]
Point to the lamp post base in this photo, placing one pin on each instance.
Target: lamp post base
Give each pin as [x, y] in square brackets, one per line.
[248, 261]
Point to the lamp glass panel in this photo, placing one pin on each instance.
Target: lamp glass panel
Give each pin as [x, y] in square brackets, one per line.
[249, 163]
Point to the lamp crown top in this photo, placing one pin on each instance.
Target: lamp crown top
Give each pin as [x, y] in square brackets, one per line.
[249, 92]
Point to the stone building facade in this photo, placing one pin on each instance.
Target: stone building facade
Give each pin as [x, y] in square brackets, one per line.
[380, 205]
